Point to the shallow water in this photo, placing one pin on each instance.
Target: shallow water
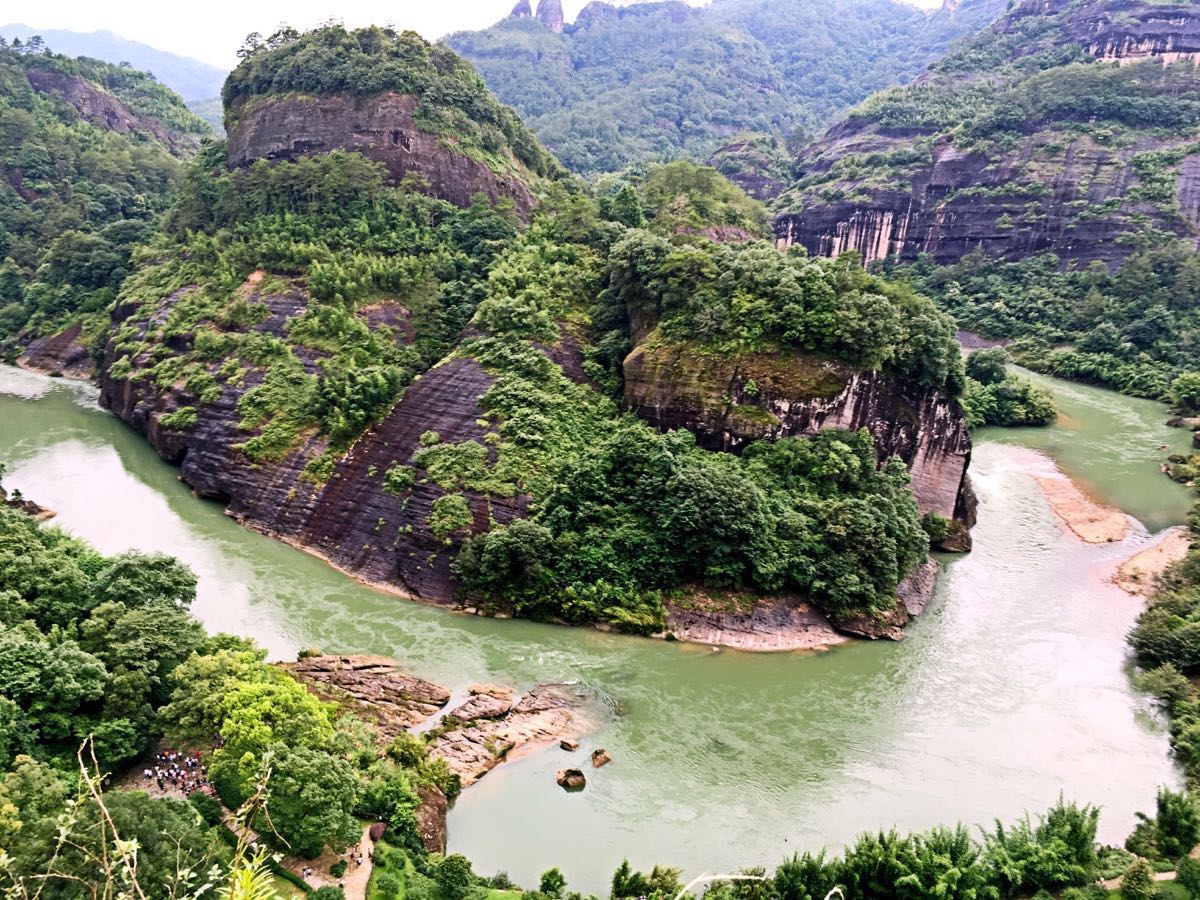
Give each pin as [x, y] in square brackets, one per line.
[1012, 688]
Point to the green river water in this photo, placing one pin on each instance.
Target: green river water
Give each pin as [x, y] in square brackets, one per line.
[1014, 686]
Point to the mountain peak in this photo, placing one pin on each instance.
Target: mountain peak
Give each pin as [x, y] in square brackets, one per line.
[550, 14]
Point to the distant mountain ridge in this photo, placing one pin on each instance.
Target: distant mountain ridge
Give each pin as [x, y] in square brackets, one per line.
[191, 79]
[625, 84]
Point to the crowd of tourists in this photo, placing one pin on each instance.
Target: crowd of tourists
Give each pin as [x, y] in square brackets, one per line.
[174, 770]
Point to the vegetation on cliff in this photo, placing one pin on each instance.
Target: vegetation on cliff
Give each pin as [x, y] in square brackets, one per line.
[1036, 182]
[689, 80]
[601, 544]
[452, 99]
[75, 196]
[1136, 329]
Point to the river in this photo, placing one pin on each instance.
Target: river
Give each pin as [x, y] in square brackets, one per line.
[1014, 686]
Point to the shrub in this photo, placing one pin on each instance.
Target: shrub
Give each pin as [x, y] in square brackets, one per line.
[1138, 881]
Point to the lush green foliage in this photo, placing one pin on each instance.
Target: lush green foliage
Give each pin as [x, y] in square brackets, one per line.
[74, 196]
[452, 99]
[1135, 329]
[994, 397]
[50, 825]
[384, 280]
[87, 644]
[656, 81]
[738, 298]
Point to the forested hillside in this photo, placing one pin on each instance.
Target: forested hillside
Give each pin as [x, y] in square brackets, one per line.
[661, 80]
[89, 155]
[191, 79]
[1041, 181]
[292, 312]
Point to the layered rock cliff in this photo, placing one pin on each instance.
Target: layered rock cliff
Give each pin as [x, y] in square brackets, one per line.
[729, 401]
[349, 519]
[382, 128]
[415, 107]
[1026, 140]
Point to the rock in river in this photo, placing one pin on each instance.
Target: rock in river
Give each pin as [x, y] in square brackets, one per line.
[571, 779]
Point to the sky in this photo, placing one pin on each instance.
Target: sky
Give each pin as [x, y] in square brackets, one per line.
[213, 30]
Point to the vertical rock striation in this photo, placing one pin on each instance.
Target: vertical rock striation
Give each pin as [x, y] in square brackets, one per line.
[1067, 177]
[730, 401]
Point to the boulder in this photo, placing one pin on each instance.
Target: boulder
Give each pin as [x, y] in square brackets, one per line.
[571, 779]
[568, 744]
[600, 757]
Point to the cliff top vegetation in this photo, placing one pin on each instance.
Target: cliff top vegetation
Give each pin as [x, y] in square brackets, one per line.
[452, 98]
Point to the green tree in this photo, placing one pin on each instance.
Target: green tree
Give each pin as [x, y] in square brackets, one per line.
[552, 883]
[1137, 883]
[312, 796]
[988, 366]
[454, 877]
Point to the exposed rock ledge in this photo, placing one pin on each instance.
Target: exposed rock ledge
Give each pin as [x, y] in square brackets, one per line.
[489, 727]
[64, 354]
[788, 623]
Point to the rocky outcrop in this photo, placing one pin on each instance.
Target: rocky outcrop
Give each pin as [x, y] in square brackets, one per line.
[765, 625]
[104, 110]
[546, 715]
[550, 14]
[729, 401]
[348, 519]
[522, 10]
[65, 353]
[383, 129]
[430, 816]
[1059, 184]
[473, 738]
[374, 688]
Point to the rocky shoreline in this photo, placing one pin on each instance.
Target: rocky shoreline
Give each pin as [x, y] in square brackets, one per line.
[491, 725]
[766, 625]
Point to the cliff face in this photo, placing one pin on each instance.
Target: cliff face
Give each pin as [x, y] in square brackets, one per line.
[383, 129]
[730, 401]
[349, 519]
[103, 109]
[1059, 171]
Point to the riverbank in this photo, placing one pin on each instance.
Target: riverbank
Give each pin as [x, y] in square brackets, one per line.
[1136, 576]
[1014, 660]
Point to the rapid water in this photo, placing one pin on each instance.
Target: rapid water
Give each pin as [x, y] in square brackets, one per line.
[1012, 688]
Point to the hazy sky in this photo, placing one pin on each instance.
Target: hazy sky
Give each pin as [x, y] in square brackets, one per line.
[212, 30]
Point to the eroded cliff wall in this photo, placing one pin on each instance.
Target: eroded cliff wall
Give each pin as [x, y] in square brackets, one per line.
[1067, 175]
[349, 518]
[729, 401]
[382, 128]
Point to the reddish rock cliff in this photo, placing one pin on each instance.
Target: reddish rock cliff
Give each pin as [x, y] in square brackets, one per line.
[103, 109]
[382, 128]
